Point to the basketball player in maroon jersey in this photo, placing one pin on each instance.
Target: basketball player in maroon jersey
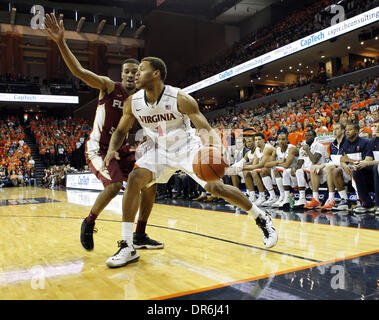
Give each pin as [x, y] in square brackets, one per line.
[108, 114]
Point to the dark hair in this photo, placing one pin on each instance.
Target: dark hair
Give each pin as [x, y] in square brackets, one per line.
[130, 60]
[355, 125]
[157, 64]
[313, 132]
[341, 125]
[260, 134]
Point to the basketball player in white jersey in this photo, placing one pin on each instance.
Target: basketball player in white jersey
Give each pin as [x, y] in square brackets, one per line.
[286, 158]
[246, 175]
[165, 113]
[108, 113]
[311, 153]
[263, 153]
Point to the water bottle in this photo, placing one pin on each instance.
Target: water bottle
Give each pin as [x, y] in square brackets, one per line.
[291, 200]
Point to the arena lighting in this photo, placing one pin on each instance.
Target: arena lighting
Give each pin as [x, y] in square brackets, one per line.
[321, 36]
[13, 16]
[38, 98]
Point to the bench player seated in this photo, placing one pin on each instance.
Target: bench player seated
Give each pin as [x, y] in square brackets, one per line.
[286, 158]
[310, 153]
[322, 173]
[354, 149]
[244, 155]
[366, 175]
[263, 153]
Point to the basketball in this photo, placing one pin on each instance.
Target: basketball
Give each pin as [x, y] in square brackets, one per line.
[209, 165]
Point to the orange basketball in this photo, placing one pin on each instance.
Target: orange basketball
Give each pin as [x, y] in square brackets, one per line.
[208, 164]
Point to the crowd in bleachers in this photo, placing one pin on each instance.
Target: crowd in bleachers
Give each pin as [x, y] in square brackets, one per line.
[55, 176]
[60, 141]
[296, 25]
[16, 163]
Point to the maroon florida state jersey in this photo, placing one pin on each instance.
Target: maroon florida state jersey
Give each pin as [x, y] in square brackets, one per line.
[108, 115]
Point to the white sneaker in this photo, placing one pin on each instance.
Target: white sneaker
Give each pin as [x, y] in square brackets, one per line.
[284, 202]
[252, 198]
[260, 200]
[123, 256]
[269, 234]
[276, 204]
[269, 202]
[300, 202]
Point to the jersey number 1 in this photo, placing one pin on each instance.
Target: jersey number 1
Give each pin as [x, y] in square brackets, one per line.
[160, 131]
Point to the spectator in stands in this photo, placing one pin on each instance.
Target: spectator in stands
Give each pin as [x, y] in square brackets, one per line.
[321, 77]
[366, 175]
[14, 178]
[20, 178]
[282, 128]
[354, 117]
[320, 128]
[4, 179]
[273, 136]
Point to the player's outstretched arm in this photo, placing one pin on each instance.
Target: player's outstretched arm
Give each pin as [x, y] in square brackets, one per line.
[292, 153]
[189, 106]
[55, 31]
[119, 135]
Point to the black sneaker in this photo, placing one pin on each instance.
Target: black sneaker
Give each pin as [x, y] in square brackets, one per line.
[142, 241]
[86, 235]
[269, 234]
[342, 205]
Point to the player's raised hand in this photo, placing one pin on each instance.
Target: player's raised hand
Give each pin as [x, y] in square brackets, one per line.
[53, 29]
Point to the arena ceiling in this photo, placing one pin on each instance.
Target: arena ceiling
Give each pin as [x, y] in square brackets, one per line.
[224, 10]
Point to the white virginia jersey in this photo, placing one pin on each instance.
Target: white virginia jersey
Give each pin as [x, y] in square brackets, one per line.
[315, 147]
[162, 121]
[284, 155]
[250, 156]
[260, 153]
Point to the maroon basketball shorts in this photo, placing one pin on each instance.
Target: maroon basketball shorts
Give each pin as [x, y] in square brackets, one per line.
[116, 171]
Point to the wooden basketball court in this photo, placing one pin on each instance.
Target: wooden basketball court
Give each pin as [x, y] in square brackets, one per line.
[41, 256]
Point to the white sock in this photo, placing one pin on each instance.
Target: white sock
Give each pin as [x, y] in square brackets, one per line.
[343, 194]
[316, 196]
[272, 193]
[286, 194]
[261, 194]
[127, 229]
[300, 178]
[331, 195]
[267, 183]
[255, 211]
[252, 194]
[279, 183]
[302, 194]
